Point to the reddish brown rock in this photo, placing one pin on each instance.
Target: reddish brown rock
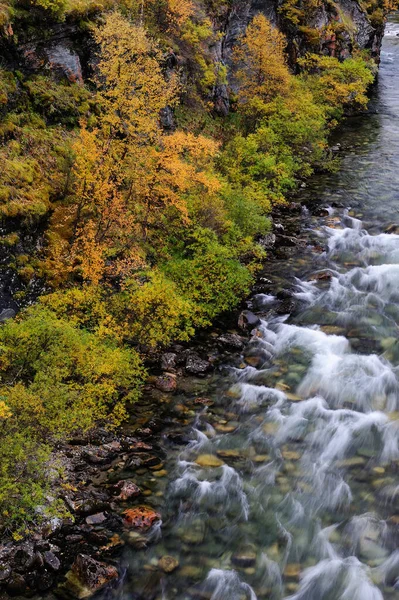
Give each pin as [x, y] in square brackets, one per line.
[141, 517]
[127, 489]
[321, 276]
[166, 382]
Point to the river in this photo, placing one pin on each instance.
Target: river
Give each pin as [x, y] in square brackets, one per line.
[289, 486]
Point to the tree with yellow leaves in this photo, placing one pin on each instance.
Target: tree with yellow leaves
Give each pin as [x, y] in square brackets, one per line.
[262, 72]
[132, 87]
[129, 176]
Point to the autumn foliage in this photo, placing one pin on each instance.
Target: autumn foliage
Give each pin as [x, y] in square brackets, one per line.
[143, 208]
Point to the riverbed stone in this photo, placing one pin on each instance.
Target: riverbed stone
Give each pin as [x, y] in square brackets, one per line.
[209, 460]
[195, 365]
[254, 360]
[226, 428]
[5, 572]
[190, 572]
[350, 463]
[168, 564]
[231, 340]
[392, 228]
[229, 454]
[261, 458]
[96, 519]
[16, 585]
[290, 455]
[168, 361]
[292, 570]
[244, 559]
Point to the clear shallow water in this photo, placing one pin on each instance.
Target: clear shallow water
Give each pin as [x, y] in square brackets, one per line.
[289, 487]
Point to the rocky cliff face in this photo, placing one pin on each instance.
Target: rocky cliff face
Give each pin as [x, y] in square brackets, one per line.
[332, 28]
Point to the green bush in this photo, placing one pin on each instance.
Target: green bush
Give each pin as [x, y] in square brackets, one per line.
[55, 379]
[211, 277]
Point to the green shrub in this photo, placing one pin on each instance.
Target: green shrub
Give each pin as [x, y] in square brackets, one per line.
[210, 277]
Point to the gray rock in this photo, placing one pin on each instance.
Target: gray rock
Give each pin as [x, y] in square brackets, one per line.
[63, 58]
[127, 489]
[5, 572]
[96, 519]
[168, 361]
[248, 320]
[7, 313]
[51, 560]
[24, 554]
[267, 241]
[196, 365]
[231, 340]
[167, 119]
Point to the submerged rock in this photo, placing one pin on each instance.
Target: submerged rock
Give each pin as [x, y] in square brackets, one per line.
[244, 559]
[209, 460]
[168, 564]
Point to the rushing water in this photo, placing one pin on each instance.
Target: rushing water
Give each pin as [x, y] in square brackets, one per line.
[289, 487]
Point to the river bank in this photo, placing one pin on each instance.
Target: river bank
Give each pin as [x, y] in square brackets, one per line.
[106, 474]
[217, 496]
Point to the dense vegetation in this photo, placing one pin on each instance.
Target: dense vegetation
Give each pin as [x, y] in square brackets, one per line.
[149, 233]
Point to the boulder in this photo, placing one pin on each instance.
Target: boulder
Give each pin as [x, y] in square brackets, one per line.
[196, 365]
[168, 361]
[267, 241]
[87, 576]
[5, 572]
[231, 340]
[24, 554]
[286, 307]
[44, 581]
